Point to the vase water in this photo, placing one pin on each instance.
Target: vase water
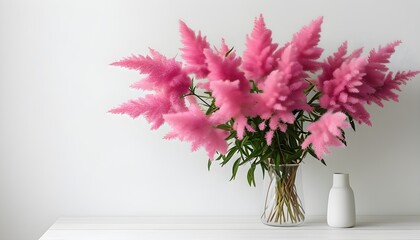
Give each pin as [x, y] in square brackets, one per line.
[283, 196]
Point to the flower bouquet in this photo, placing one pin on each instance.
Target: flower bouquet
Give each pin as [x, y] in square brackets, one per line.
[269, 108]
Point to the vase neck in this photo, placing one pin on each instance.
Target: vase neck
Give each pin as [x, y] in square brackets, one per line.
[341, 180]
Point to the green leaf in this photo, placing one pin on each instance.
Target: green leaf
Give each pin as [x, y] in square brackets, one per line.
[323, 162]
[229, 155]
[235, 168]
[243, 141]
[228, 52]
[224, 127]
[295, 156]
[209, 165]
[353, 126]
[254, 154]
[266, 156]
[231, 135]
[308, 90]
[250, 175]
[343, 138]
[262, 164]
[311, 151]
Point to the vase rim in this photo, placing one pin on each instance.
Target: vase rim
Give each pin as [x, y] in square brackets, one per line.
[285, 164]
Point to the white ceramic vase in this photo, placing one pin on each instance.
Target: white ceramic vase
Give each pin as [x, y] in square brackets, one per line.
[341, 207]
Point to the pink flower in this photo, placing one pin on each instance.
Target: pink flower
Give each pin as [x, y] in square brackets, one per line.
[326, 132]
[343, 91]
[223, 67]
[376, 68]
[234, 103]
[193, 51]
[153, 107]
[333, 62]
[194, 126]
[166, 77]
[283, 91]
[381, 82]
[306, 41]
[258, 58]
[391, 83]
[348, 83]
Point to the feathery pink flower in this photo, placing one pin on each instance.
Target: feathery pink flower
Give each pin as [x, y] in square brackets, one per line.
[193, 51]
[194, 126]
[164, 75]
[153, 107]
[376, 68]
[390, 84]
[269, 137]
[333, 62]
[380, 81]
[258, 58]
[234, 104]
[283, 91]
[225, 68]
[306, 42]
[342, 92]
[229, 98]
[326, 132]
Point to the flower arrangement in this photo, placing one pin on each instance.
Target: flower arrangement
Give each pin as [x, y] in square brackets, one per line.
[270, 107]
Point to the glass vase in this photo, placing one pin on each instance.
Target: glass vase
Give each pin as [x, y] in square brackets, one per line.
[283, 196]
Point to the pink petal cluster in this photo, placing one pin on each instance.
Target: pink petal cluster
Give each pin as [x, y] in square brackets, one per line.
[306, 41]
[325, 132]
[391, 83]
[342, 92]
[283, 92]
[152, 107]
[233, 103]
[164, 76]
[223, 67]
[258, 58]
[195, 127]
[230, 88]
[382, 82]
[193, 51]
[348, 83]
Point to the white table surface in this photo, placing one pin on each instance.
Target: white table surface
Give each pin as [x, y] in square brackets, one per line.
[220, 228]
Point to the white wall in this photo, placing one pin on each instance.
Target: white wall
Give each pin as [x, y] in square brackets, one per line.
[62, 154]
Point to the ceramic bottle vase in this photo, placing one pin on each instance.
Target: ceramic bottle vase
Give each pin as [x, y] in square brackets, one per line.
[341, 207]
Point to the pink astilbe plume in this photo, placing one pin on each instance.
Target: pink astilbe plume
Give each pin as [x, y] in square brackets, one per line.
[283, 91]
[334, 62]
[258, 58]
[391, 84]
[233, 103]
[306, 42]
[164, 76]
[342, 92]
[193, 51]
[326, 132]
[225, 68]
[152, 107]
[194, 126]
[381, 82]
[376, 68]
